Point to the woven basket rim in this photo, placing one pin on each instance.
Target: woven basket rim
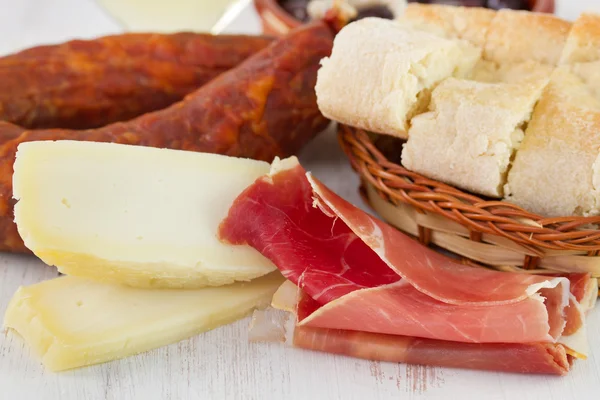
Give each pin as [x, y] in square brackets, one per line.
[395, 184]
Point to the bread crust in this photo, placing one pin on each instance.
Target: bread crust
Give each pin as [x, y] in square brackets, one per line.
[380, 72]
[583, 43]
[528, 71]
[556, 170]
[519, 36]
[589, 73]
[471, 133]
[467, 23]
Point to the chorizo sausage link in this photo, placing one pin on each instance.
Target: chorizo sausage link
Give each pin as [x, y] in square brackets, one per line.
[266, 107]
[90, 83]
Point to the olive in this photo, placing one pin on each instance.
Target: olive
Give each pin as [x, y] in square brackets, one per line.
[514, 4]
[466, 3]
[375, 11]
[296, 8]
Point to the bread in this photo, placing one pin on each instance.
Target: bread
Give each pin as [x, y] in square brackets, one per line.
[471, 133]
[583, 43]
[467, 23]
[380, 73]
[582, 51]
[589, 73]
[462, 84]
[528, 71]
[519, 36]
[556, 171]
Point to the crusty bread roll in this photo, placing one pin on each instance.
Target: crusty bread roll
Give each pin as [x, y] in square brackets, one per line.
[556, 171]
[380, 73]
[518, 36]
[583, 43]
[471, 132]
[468, 23]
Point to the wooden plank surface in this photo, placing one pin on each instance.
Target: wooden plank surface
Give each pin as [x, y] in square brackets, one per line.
[222, 364]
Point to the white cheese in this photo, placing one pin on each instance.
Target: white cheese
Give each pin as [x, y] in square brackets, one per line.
[133, 215]
[73, 322]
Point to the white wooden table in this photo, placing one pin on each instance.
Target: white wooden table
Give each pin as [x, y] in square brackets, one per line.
[222, 364]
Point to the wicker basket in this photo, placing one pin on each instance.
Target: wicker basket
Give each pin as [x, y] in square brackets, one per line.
[484, 232]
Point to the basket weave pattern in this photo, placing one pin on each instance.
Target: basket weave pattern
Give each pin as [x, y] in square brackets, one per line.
[396, 184]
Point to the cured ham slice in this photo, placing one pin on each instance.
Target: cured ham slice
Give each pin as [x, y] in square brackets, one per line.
[540, 358]
[349, 262]
[361, 274]
[585, 289]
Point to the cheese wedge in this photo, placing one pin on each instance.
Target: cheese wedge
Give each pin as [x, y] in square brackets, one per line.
[133, 215]
[73, 322]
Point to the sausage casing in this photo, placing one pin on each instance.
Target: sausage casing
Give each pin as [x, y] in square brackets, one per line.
[91, 83]
[265, 107]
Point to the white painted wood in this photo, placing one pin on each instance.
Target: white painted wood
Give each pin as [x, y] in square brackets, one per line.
[222, 364]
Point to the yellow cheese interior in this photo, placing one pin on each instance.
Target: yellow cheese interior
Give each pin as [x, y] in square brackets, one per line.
[73, 322]
[133, 215]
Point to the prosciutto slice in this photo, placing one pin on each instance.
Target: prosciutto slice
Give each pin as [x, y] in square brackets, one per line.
[362, 274]
[540, 358]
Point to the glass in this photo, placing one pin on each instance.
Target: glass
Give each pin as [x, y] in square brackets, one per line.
[174, 15]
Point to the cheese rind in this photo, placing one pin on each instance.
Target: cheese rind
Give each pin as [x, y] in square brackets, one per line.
[133, 215]
[73, 322]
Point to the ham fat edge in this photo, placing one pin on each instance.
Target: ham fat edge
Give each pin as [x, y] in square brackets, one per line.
[363, 285]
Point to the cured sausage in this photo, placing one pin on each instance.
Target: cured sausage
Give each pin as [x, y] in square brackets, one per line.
[90, 83]
[265, 107]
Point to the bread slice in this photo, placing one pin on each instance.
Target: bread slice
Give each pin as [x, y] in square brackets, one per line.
[583, 43]
[556, 171]
[528, 71]
[380, 73]
[471, 133]
[589, 73]
[582, 51]
[518, 36]
[467, 23]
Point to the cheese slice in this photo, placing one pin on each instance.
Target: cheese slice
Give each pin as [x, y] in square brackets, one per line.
[73, 322]
[133, 215]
